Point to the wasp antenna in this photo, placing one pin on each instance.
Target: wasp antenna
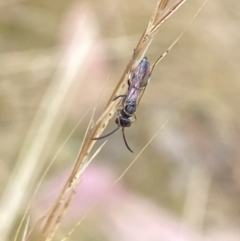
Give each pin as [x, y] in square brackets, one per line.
[109, 134]
[125, 141]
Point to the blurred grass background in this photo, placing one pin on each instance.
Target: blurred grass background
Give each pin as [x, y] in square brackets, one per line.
[191, 170]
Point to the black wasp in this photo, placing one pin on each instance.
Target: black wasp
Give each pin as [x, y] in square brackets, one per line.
[136, 87]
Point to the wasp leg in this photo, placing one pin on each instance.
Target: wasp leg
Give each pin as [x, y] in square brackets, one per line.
[119, 96]
[135, 118]
[129, 83]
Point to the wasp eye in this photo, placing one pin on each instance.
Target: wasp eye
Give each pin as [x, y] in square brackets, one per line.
[117, 121]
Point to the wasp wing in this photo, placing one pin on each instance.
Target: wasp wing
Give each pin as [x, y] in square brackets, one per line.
[138, 82]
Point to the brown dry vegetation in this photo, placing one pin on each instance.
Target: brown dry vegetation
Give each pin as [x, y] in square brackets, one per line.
[196, 87]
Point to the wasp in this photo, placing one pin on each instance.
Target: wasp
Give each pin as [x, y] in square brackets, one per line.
[130, 101]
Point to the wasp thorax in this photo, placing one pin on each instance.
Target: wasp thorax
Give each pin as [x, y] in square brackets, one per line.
[130, 108]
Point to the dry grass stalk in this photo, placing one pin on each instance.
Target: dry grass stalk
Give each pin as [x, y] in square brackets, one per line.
[25, 229]
[42, 219]
[115, 182]
[64, 199]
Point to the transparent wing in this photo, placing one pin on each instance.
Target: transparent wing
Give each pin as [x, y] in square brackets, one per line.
[138, 82]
